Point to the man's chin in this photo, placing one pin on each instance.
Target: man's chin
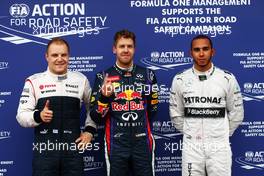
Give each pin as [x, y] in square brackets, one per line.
[127, 62]
[60, 71]
[203, 63]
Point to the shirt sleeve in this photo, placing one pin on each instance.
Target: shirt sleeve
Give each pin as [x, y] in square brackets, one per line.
[176, 106]
[99, 102]
[152, 95]
[235, 109]
[27, 115]
[90, 125]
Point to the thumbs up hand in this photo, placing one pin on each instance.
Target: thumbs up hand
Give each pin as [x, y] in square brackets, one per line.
[107, 87]
[46, 114]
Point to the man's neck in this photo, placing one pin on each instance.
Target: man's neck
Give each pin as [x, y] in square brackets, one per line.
[205, 68]
[129, 67]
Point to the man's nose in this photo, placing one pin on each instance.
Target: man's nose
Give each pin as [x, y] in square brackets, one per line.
[60, 58]
[126, 49]
[201, 52]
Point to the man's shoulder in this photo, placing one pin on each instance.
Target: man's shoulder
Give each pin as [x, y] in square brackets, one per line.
[139, 67]
[184, 73]
[36, 76]
[148, 73]
[144, 70]
[101, 74]
[224, 73]
[107, 70]
[76, 74]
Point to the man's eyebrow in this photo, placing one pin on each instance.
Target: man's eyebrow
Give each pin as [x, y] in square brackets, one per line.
[203, 47]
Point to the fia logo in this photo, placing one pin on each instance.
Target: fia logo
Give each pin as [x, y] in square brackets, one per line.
[19, 10]
[252, 160]
[155, 55]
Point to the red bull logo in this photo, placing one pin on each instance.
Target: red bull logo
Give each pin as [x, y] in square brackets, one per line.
[128, 106]
[121, 96]
[128, 95]
[136, 95]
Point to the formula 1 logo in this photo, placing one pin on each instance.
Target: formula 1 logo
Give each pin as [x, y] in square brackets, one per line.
[129, 115]
[252, 160]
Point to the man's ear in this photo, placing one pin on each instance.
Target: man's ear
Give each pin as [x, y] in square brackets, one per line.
[46, 56]
[213, 52]
[114, 49]
[190, 52]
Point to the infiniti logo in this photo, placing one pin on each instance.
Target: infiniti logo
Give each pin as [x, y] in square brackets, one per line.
[139, 75]
[126, 116]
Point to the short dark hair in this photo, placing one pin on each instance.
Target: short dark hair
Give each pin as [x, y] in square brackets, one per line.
[125, 34]
[57, 40]
[202, 37]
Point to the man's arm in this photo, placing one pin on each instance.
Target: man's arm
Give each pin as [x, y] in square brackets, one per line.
[90, 125]
[152, 97]
[235, 109]
[27, 115]
[99, 102]
[176, 107]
